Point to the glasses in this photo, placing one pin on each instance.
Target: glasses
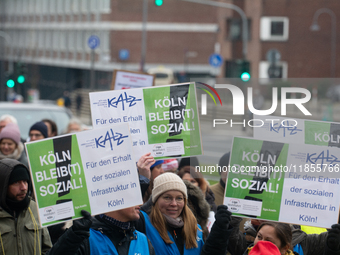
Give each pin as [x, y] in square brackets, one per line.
[168, 199]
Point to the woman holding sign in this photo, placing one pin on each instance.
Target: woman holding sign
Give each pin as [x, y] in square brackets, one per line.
[171, 226]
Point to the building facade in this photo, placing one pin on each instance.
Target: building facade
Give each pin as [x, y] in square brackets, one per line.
[52, 38]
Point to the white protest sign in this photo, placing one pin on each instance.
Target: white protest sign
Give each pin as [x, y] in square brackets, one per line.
[163, 120]
[294, 130]
[283, 182]
[94, 170]
[131, 80]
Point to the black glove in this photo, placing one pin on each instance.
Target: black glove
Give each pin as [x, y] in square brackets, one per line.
[82, 226]
[223, 216]
[333, 237]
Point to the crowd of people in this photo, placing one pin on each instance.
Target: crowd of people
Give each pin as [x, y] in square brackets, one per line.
[181, 213]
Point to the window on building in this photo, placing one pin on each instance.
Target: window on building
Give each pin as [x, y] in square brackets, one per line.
[80, 41]
[105, 41]
[51, 6]
[67, 6]
[31, 6]
[235, 28]
[75, 6]
[41, 39]
[32, 39]
[105, 6]
[71, 40]
[60, 6]
[62, 40]
[274, 28]
[44, 6]
[38, 7]
[48, 40]
[84, 6]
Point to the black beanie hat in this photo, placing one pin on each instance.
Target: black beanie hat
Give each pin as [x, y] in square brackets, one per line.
[224, 161]
[192, 161]
[40, 126]
[19, 173]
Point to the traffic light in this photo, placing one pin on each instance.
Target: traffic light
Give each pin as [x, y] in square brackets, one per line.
[238, 69]
[21, 72]
[158, 2]
[10, 83]
[245, 71]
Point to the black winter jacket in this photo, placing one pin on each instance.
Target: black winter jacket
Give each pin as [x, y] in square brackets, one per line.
[71, 243]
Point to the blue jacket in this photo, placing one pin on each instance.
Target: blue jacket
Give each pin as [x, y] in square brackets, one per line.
[101, 244]
[170, 249]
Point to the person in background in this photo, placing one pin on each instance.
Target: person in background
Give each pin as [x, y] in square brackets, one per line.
[279, 234]
[52, 129]
[10, 144]
[19, 222]
[38, 131]
[191, 161]
[237, 241]
[219, 188]
[156, 169]
[67, 100]
[79, 101]
[6, 119]
[170, 165]
[74, 126]
[196, 178]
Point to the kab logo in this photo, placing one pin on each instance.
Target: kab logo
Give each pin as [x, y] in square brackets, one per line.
[124, 100]
[239, 99]
[110, 138]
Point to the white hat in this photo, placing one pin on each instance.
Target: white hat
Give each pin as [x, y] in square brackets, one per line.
[166, 182]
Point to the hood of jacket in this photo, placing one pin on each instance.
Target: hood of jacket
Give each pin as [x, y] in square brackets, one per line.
[6, 168]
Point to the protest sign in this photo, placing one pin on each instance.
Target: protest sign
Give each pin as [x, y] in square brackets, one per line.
[287, 130]
[283, 182]
[131, 80]
[163, 120]
[92, 170]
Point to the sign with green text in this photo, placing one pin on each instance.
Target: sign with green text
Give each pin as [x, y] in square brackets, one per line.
[293, 183]
[163, 120]
[92, 170]
[294, 130]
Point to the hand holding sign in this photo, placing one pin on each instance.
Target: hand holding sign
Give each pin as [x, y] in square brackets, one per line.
[333, 238]
[82, 226]
[144, 163]
[223, 216]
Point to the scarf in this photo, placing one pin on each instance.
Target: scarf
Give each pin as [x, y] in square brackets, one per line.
[174, 223]
[288, 252]
[17, 206]
[16, 153]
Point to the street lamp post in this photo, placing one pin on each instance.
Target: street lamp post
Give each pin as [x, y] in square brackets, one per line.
[144, 35]
[7, 39]
[316, 27]
[239, 11]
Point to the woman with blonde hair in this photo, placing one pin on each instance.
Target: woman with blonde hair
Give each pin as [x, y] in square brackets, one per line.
[10, 144]
[172, 227]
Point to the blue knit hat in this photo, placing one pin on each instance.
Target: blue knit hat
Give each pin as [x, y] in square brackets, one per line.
[40, 126]
[158, 162]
